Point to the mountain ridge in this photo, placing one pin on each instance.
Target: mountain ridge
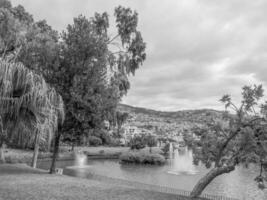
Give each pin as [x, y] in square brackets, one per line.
[161, 111]
[169, 121]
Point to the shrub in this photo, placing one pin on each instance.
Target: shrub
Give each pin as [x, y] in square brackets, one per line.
[151, 141]
[142, 158]
[115, 142]
[166, 148]
[137, 142]
[102, 134]
[94, 141]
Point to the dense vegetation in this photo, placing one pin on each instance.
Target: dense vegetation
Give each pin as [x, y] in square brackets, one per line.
[141, 157]
[85, 65]
[30, 110]
[237, 139]
[87, 70]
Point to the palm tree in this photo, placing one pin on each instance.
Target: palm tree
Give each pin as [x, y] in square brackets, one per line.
[27, 103]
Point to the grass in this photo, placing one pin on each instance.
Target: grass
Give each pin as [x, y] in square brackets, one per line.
[25, 156]
[22, 156]
[19, 181]
[102, 150]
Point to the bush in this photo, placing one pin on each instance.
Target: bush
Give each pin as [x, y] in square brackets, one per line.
[115, 142]
[142, 158]
[166, 148]
[137, 142]
[102, 151]
[94, 141]
[102, 134]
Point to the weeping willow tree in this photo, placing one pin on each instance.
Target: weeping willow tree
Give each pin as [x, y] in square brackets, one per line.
[27, 105]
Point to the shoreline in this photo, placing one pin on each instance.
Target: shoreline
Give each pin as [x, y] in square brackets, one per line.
[99, 154]
[13, 156]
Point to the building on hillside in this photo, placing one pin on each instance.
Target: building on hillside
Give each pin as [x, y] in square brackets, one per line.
[129, 131]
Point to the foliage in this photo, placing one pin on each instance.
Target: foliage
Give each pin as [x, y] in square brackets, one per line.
[238, 139]
[94, 141]
[82, 63]
[115, 142]
[151, 141]
[142, 158]
[189, 140]
[137, 142]
[166, 148]
[14, 22]
[27, 104]
[121, 118]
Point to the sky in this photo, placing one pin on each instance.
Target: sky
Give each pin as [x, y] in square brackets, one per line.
[197, 50]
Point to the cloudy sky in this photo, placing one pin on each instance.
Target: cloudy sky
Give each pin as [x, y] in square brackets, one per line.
[197, 50]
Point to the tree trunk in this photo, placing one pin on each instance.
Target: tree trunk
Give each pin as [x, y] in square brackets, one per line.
[72, 141]
[2, 156]
[55, 152]
[72, 146]
[118, 132]
[150, 149]
[261, 170]
[36, 149]
[206, 180]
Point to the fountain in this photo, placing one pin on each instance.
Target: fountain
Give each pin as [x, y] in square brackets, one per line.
[182, 162]
[170, 151]
[80, 160]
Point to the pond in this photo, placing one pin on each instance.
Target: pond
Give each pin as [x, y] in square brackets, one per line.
[179, 172]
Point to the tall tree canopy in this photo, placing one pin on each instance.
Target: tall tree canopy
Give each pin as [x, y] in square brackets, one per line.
[87, 66]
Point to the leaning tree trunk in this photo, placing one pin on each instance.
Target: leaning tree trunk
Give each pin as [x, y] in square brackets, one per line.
[205, 181]
[55, 151]
[36, 149]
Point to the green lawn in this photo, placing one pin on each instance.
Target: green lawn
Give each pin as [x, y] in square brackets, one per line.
[25, 156]
[20, 182]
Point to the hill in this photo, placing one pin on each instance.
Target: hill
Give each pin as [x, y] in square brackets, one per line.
[168, 122]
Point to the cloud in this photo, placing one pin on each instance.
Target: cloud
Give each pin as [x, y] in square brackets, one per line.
[197, 50]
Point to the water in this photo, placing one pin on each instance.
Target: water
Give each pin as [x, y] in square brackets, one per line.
[178, 173]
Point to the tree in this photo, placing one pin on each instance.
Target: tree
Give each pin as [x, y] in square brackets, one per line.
[232, 141]
[3, 139]
[14, 23]
[166, 148]
[121, 118]
[137, 142]
[27, 103]
[95, 76]
[85, 65]
[151, 141]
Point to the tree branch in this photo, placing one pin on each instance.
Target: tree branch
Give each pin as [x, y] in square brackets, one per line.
[109, 41]
[224, 145]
